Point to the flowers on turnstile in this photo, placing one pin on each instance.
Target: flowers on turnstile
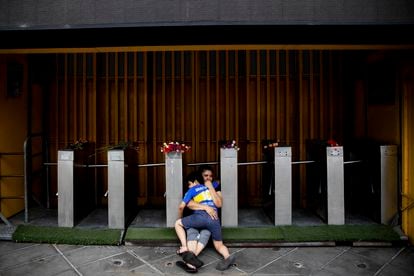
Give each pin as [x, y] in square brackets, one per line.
[229, 145]
[332, 143]
[123, 145]
[174, 147]
[271, 145]
[78, 144]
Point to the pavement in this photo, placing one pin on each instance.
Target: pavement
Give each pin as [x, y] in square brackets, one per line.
[60, 259]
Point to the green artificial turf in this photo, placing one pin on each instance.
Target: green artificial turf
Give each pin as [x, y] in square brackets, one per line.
[252, 234]
[151, 234]
[323, 233]
[64, 235]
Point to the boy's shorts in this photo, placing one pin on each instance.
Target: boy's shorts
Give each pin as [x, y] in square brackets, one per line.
[202, 220]
[201, 236]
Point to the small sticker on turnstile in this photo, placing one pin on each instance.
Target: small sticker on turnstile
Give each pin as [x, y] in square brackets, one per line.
[66, 155]
[117, 156]
[335, 152]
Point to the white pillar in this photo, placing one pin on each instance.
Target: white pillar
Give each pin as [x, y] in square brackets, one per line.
[335, 185]
[228, 174]
[389, 180]
[116, 189]
[283, 185]
[174, 185]
[66, 210]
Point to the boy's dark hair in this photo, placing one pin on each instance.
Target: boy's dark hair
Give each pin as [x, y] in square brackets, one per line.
[193, 176]
[204, 168]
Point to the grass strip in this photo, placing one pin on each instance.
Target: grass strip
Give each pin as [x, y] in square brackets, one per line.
[339, 233]
[252, 234]
[150, 234]
[292, 233]
[64, 235]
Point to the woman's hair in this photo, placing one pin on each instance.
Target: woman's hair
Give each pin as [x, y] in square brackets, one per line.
[193, 176]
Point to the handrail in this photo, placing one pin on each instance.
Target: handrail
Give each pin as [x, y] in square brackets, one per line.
[2, 217]
[26, 176]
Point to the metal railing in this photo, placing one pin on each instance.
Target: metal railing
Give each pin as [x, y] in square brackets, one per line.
[2, 217]
[27, 175]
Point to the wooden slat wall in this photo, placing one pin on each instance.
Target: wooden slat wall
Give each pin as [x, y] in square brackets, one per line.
[407, 200]
[198, 97]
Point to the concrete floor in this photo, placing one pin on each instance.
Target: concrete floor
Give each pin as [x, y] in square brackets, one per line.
[52, 259]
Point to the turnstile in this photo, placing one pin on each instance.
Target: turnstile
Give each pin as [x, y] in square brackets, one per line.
[229, 187]
[122, 187]
[372, 187]
[76, 190]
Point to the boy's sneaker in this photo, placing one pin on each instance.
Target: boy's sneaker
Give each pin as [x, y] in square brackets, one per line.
[226, 263]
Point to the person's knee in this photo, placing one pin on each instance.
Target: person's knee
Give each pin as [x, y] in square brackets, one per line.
[204, 237]
[178, 223]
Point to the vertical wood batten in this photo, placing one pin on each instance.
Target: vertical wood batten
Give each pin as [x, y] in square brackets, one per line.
[218, 129]
[154, 118]
[136, 103]
[75, 99]
[94, 107]
[174, 125]
[194, 105]
[145, 103]
[331, 99]
[196, 75]
[227, 98]
[288, 117]
[164, 111]
[115, 103]
[208, 106]
[65, 103]
[84, 101]
[278, 97]
[126, 126]
[248, 136]
[302, 134]
[312, 97]
[258, 105]
[182, 96]
[321, 96]
[236, 92]
[107, 101]
[301, 105]
[57, 108]
[145, 122]
[268, 101]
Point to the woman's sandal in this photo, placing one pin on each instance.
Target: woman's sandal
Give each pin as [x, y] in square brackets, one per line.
[190, 258]
[185, 267]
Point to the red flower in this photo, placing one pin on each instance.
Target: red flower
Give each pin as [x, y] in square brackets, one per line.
[174, 147]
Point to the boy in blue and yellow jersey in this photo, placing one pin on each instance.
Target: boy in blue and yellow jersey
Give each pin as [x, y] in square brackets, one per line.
[207, 197]
[197, 239]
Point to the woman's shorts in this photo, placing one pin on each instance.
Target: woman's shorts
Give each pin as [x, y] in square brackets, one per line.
[201, 236]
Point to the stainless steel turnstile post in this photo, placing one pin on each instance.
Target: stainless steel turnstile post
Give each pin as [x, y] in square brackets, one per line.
[116, 189]
[228, 172]
[174, 185]
[389, 180]
[335, 185]
[66, 214]
[283, 185]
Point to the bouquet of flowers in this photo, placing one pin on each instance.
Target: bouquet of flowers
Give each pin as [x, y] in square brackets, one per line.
[174, 147]
[271, 145]
[332, 143]
[123, 145]
[78, 144]
[229, 145]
